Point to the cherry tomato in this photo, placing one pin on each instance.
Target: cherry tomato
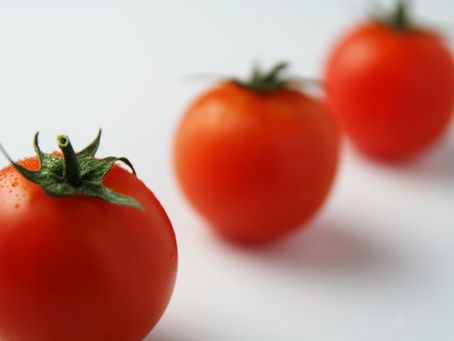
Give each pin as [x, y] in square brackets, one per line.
[391, 85]
[256, 159]
[80, 268]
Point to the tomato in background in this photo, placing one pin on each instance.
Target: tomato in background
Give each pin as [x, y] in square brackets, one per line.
[76, 267]
[391, 86]
[256, 159]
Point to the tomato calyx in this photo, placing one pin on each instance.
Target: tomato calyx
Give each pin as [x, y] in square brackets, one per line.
[398, 19]
[268, 82]
[75, 173]
[265, 82]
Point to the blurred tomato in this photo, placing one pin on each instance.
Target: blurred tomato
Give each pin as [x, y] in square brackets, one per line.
[256, 159]
[391, 85]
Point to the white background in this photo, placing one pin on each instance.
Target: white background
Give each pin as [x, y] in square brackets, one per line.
[376, 263]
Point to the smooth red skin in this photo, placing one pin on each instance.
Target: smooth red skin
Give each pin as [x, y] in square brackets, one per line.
[79, 268]
[392, 91]
[255, 166]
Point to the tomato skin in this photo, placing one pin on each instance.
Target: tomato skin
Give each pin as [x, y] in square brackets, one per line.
[256, 166]
[80, 268]
[392, 91]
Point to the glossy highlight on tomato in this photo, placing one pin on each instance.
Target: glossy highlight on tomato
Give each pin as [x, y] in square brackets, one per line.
[391, 85]
[256, 164]
[80, 268]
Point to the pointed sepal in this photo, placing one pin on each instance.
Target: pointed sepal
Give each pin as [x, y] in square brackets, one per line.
[75, 173]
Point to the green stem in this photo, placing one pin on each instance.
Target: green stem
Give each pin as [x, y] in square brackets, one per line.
[265, 82]
[71, 165]
[75, 174]
[401, 20]
[274, 72]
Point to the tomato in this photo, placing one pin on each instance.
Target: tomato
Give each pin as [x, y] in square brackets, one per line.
[391, 85]
[80, 268]
[256, 159]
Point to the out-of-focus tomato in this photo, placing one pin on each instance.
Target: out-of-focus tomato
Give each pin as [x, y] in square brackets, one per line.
[256, 159]
[391, 85]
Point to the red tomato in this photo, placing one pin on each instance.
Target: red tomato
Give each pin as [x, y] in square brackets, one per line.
[392, 88]
[80, 268]
[255, 165]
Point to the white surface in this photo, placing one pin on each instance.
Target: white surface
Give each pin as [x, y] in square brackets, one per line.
[376, 264]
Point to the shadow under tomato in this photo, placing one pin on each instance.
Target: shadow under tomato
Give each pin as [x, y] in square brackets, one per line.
[435, 165]
[325, 247]
[164, 334]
